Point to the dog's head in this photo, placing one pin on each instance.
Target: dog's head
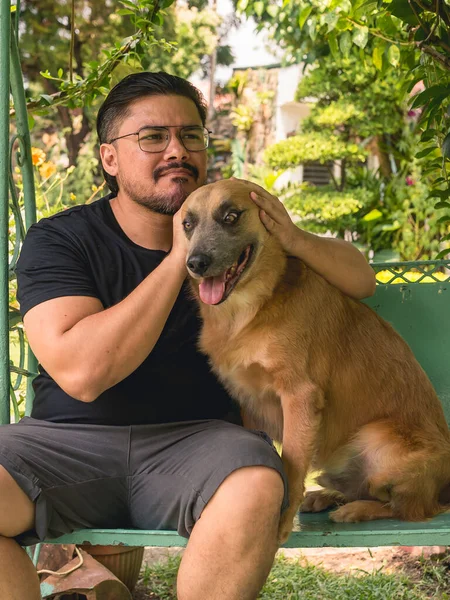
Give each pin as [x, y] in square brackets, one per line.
[225, 236]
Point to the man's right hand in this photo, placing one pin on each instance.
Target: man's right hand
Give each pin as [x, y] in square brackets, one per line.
[179, 244]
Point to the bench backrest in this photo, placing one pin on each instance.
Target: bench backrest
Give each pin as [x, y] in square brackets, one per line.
[420, 312]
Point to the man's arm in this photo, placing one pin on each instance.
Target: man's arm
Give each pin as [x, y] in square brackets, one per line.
[87, 349]
[337, 261]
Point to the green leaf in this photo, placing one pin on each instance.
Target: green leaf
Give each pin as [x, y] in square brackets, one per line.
[377, 57]
[373, 215]
[442, 204]
[428, 135]
[312, 29]
[272, 10]
[402, 9]
[443, 254]
[426, 151]
[47, 99]
[333, 45]
[331, 19]
[125, 11]
[242, 5]
[129, 4]
[446, 146]
[258, 7]
[60, 72]
[345, 43]
[360, 36]
[435, 91]
[442, 194]
[394, 55]
[31, 122]
[343, 24]
[443, 220]
[304, 14]
[386, 24]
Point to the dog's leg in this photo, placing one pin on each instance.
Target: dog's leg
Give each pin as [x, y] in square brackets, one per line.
[301, 419]
[318, 500]
[362, 510]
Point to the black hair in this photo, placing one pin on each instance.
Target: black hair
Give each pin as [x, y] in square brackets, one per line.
[139, 85]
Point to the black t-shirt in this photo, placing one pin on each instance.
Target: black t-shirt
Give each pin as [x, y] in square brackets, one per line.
[84, 252]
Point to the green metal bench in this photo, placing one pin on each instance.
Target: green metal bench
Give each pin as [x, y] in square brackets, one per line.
[419, 311]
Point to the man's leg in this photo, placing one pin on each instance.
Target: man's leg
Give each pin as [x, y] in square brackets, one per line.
[18, 577]
[233, 544]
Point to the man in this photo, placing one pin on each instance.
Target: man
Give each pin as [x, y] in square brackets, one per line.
[129, 428]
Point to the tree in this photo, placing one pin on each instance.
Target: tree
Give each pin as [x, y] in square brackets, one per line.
[51, 32]
[355, 109]
[353, 104]
[412, 36]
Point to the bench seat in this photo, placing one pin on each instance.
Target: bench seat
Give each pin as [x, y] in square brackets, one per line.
[317, 531]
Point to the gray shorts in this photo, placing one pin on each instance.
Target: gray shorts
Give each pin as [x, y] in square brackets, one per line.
[144, 476]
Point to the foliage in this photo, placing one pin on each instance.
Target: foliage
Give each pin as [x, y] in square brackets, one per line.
[265, 177]
[351, 107]
[237, 83]
[238, 157]
[323, 209]
[194, 35]
[353, 97]
[304, 148]
[83, 56]
[242, 117]
[82, 183]
[46, 39]
[411, 36]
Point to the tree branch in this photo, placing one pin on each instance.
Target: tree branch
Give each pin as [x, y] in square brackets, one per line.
[443, 60]
[72, 41]
[333, 178]
[426, 30]
[436, 23]
[59, 98]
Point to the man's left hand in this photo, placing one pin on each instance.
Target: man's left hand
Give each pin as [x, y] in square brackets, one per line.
[276, 220]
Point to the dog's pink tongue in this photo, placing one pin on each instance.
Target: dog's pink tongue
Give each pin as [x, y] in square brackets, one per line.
[212, 290]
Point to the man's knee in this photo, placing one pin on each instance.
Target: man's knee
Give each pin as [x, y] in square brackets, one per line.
[16, 509]
[256, 488]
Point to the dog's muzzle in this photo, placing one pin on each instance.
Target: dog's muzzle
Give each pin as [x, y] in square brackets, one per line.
[199, 263]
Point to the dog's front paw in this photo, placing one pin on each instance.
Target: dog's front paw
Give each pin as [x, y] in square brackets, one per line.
[319, 500]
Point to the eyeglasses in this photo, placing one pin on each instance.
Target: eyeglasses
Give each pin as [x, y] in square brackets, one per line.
[156, 139]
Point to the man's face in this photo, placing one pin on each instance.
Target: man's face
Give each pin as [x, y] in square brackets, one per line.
[160, 181]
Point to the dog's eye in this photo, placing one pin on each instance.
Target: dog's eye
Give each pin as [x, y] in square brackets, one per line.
[231, 217]
[187, 225]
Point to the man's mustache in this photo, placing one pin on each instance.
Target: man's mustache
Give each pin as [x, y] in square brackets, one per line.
[160, 171]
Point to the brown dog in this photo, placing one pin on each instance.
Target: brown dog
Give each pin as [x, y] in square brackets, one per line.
[317, 370]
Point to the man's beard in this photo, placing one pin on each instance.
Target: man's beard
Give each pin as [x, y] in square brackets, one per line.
[164, 202]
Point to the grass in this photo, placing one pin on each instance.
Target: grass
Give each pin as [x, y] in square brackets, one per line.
[289, 580]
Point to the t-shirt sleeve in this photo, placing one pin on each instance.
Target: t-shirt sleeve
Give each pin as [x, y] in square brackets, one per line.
[51, 265]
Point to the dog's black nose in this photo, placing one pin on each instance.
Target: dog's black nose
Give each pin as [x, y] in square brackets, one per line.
[198, 263]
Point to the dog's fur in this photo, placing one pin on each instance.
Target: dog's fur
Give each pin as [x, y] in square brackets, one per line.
[318, 371]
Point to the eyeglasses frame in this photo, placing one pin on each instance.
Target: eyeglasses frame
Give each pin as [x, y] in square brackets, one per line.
[168, 139]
